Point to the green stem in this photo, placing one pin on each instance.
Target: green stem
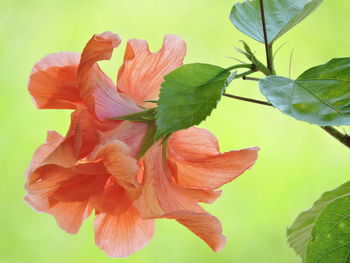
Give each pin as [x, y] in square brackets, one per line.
[268, 47]
[343, 138]
[244, 74]
[250, 78]
[247, 99]
[250, 66]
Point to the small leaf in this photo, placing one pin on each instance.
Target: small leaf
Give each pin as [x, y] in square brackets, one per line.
[280, 16]
[321, 95]
[142, 116]
[331, 234]
[301, 232]
[148, 141]
[188, 96]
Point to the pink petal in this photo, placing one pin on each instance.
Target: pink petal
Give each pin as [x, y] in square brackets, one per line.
[143, 72]
[122, 235]
[53, 83]
[96, 89]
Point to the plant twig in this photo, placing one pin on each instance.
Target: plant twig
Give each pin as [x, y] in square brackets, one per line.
[250, 78]
[244, 74]
[268, 47]
[247, 99]
[250, 66]
[343, 138]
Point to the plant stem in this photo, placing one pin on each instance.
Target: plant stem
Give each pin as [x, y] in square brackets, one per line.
[250, 66]
[268, 47]
[247, 99]
[244, 74]
[343, 138]
[250, 78]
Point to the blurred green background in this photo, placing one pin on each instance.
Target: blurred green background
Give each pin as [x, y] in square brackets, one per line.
[298, 162]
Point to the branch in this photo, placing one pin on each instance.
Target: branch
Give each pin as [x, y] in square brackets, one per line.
[247, 99]
[343, 138]
[268, 47]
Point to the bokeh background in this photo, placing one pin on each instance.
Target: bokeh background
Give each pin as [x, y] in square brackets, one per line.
[297, 163]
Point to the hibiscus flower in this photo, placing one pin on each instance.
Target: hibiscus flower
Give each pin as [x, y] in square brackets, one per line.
[95, 167]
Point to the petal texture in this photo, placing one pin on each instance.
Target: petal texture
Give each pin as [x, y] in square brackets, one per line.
[143, 72]
[122, 235]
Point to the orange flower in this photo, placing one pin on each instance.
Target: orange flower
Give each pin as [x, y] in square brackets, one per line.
[94, 167]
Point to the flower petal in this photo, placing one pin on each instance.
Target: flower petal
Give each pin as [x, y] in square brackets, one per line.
[118, 162]
[96, 89]
[204, 225]
[51, 183]
[131, 133]
[199, 162]
[122, 235]
[113, 200]
[142, 72]
[65, 192]
[53, 140]
[160, 195]
[70, 216]
[53, 82]
[81, 140]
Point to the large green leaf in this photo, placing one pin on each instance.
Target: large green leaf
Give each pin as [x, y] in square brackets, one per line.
[301, 232]
[321, 95]
[188, 96]
[280, 16]
[331, 234]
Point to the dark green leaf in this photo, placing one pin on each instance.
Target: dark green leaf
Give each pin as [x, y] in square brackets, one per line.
[280, 16]
[300, 233]
[142, 116]
[188, 96]
[321, 95]
[331, 234]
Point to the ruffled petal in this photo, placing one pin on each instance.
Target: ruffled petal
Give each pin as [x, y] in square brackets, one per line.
[200, 164]
[122, 235]
[142, 72]
[96, 89]
[53, 82]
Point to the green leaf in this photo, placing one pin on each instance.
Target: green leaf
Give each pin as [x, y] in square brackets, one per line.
[331, 234]
[321, 95]
[301, 232]
[280, 16]
[142, 116]
[148, 141]
[188, 96]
